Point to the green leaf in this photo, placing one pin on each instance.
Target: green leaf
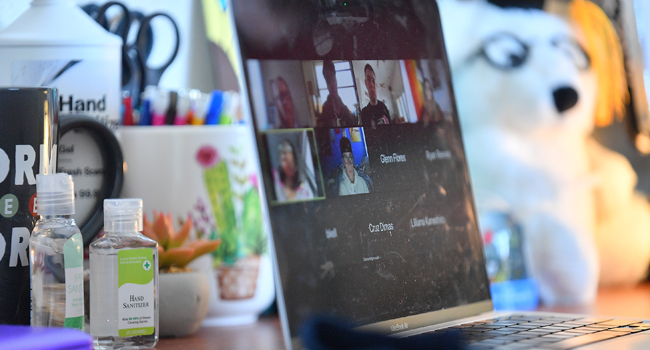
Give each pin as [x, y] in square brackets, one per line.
[254, 240]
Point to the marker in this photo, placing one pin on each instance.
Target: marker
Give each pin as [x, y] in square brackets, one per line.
[170, 115]
[230, 113]
[127, 111]
[202, 105]
[182, 108]
[194, 95]
[160, 104]
[216, 106]
[145, 110]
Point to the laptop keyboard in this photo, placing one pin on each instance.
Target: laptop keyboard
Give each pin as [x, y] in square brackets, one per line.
[551, 332]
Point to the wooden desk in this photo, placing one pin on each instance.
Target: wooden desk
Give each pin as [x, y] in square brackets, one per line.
[620, 302]
[266, 335]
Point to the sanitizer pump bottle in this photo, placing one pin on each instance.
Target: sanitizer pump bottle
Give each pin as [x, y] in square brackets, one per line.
[56, 256]
[123, 280]
[55, 44]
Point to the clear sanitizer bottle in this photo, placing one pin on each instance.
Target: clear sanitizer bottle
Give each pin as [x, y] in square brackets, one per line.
[123, 280]
[56, 256]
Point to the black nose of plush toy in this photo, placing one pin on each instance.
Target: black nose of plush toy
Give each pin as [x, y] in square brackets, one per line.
[565, 98]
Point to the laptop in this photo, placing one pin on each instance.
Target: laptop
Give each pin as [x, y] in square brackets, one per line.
[365, 180]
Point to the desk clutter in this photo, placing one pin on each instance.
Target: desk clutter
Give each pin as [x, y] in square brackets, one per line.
[143, 101]
[160, 106]
[88, 68]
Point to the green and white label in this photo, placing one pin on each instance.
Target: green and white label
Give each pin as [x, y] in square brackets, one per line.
[135, 292]
[74, 282]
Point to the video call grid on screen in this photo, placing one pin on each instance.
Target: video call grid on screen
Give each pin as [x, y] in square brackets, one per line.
[295, 95]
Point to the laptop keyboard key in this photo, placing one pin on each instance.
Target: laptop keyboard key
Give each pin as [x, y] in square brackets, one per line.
[594, 319]
[509, 323]
[562, 326]
[524, 326]
[584, 339]
[641, 324]
[498, 332]
[515, 346]
[541, 323]
[618, 322]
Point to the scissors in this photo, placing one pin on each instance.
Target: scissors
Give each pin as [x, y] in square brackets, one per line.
[136, 73]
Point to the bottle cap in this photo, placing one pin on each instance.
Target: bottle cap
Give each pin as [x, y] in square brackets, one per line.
[55, 194]
[123, 215]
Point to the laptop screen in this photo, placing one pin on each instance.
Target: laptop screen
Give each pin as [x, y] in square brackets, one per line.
[362, 159]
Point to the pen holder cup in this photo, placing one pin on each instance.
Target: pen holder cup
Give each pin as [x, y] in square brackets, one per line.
[207, 174]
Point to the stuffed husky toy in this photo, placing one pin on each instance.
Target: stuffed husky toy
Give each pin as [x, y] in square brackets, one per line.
[527, 87]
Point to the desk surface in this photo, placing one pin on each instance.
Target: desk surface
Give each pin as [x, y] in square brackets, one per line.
[265, 334]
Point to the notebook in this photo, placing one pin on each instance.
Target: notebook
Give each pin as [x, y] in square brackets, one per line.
[365, 180]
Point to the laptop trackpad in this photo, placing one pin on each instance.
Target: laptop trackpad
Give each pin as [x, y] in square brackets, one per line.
[635, 341]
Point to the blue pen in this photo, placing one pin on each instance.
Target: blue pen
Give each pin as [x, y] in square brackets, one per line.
[145, 111]
[216, 105]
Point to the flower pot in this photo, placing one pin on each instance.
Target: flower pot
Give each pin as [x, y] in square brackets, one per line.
[183, 300]
[239, 281]
[232, 311]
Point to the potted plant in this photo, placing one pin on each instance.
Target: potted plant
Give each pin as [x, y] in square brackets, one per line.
[243, 236]
[183, 294]
[240, 262]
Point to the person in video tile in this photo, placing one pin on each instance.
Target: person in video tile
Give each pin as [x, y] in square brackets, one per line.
[351, 178]
[284, 103]
[289, 185]
[376, 112]
[335, 113]
[430, 112]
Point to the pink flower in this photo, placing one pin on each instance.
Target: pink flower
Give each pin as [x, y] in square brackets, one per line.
[207, 156]
[253, 179]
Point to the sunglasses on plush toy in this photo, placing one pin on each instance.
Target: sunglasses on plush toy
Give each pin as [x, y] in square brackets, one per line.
[505, 51]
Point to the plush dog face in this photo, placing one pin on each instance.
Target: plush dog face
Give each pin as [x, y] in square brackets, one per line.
[519, 69]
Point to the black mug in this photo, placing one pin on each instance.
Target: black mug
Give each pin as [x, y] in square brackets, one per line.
[30, 128]
[28, 136]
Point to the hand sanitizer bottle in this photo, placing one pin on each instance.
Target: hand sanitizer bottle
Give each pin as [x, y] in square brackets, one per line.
[56, 256]
[123, 280]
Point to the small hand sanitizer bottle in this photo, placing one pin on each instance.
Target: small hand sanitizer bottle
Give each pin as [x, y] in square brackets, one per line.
[56, 256]
[123, 280]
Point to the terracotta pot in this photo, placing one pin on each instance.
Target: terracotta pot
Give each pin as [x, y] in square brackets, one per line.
[184, 299]
[231, 312]
[239, 281]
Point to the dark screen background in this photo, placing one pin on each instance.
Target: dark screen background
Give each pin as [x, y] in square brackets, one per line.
[404, 268]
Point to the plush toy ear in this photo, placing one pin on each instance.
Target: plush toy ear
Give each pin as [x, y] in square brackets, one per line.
[529, 4]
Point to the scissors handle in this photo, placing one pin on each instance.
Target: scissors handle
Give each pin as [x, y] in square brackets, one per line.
[103, 21]
[152, 75]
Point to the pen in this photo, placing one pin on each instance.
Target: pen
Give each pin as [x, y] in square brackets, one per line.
[182, 108]
[127, 112]
[226, 110]
[194, 95]
[160, 105]
[216, 105]
[170, 115]
[145, 110]
[202, 105]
